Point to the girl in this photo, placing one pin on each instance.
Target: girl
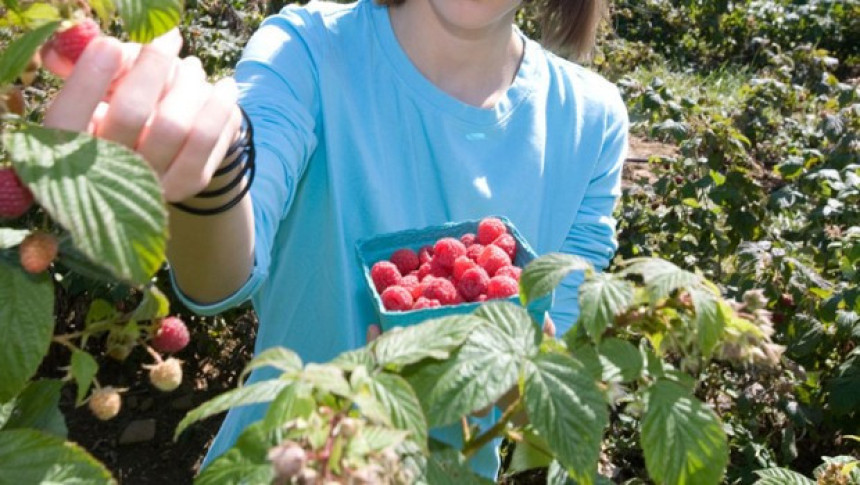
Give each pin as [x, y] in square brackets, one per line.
[367, 118]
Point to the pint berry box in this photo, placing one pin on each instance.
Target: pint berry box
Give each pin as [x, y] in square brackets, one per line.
[403, 270]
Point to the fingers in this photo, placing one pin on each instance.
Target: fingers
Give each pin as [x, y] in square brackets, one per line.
[73, 107]
[548, 326]
[373, 333]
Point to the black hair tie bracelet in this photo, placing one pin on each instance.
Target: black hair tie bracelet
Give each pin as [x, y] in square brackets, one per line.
[244, 146]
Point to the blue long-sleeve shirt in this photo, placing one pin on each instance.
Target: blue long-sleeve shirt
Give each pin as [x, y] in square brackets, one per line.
[352, 141]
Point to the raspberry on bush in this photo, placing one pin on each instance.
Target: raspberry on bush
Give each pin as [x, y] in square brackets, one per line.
[37, 251]
[74, 36]
[105, 403]
[15, 198]
[171, 335]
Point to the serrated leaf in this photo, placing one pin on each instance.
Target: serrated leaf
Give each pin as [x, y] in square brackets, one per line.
[153, 305]
[374, 439]
[601, 298]
[532, 452]
[402, 405]
[29, 456]
[294, 401]
[15, 57]
[353, 359]
[364, 397]
[476, 375]
[515, 322]
[568, 410]
[245, 463]
[38, 408]
[284, 360]
[26, 324]
[620, 360]
[710, 320]
[682, 439]
[256, 393]
[434, 339]
[661, 277]
[327, 378]
[84, 368]
[105, 195]
[448, 466]
[781, 476]
[147, 19]
[542, 275]
[73, 259]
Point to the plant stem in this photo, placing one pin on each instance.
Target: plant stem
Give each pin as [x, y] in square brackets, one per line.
[472, 446]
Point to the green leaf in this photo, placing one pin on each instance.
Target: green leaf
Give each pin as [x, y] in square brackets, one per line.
[245, 463]
[448, 466]
[153, 305]
[620, 360]
[353, 359]
[682, 439]
[36, 15]
[402, 405]
[532, 452]
[364, 397]
[72, 258]
[543, 274]
[103, 8]
[515, 322]
[476, 375]
[256, 393]
[374, 439]
[38, 407]
[844, 387]
[84, 368]
[104, 194]
[147, 19]
[568, 410]
[29, 456]
[433, 339]
[710, 320]
[601, 298]
[781, 476]
[294, 401]
[280, 358]
[26, 324]
[101, 313]
[661, 277]
[327, 378]
[15, 57]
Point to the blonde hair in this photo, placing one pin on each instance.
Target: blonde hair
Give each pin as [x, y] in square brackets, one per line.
[568, 26]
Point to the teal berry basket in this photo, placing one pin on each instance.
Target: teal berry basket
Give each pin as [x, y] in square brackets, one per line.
[380, 247]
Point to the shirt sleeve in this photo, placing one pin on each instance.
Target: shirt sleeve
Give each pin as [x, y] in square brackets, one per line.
[592, 234]
[278, 89]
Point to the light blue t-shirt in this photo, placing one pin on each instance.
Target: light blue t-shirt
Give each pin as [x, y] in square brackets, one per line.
[353, 141]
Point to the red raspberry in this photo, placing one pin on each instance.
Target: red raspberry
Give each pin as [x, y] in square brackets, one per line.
[425, 254]
[447, 250]
[490, 229]
[508, 244]
[15, 197]
[501, 287]
[461, 265]
[424, 270]
[440, 289]
[511, 271]
[474, 251]
[438, 269]
[411, 283]
[405, 259]
[71, 41]
[468, 239]
[492, 258]
[397, 299]
[171, 336]
[384, 274]
[473, 283]
[422, 303]
[37, 251]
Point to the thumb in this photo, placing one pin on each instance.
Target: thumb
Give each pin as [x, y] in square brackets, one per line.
[373, 332]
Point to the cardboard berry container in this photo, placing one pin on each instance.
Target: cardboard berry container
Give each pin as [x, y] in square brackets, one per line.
[380, 247]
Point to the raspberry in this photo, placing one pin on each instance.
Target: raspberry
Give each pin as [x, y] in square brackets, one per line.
[422, 303]
[468, 239]
[473, 283]
[405, 259]
[397, 298]
[442, 290]
[384, 274]
[511, 271]
[423, 271]
[411, 283]
[447, 250]
[171, 336]
[461, 265]
[105, 403]
[492, 258]
[474, 251]
[438, 269]
[501, 287]
[425, 254]
[166, 375]
[37, 251]
[15, 197]
[508, 244]
[490, 229]
[481, 298]
[288, 459]
[71, 41]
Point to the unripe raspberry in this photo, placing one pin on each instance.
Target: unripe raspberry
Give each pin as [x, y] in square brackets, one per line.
[71, 40]
[15, 197]
[37, 251]
[308, 476]
[397, 299]
[171, 336]
[121, 341]
[166, 375]
[501, 287]
[492, 258]
[461, 265]
[490, 229]
[511, 271]
[468, 239]
[349, 427]
[288, 459]
[405, 259]
[105, 403]
[473, 283]
[508, 244]
[384, 274]
[447, 250]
